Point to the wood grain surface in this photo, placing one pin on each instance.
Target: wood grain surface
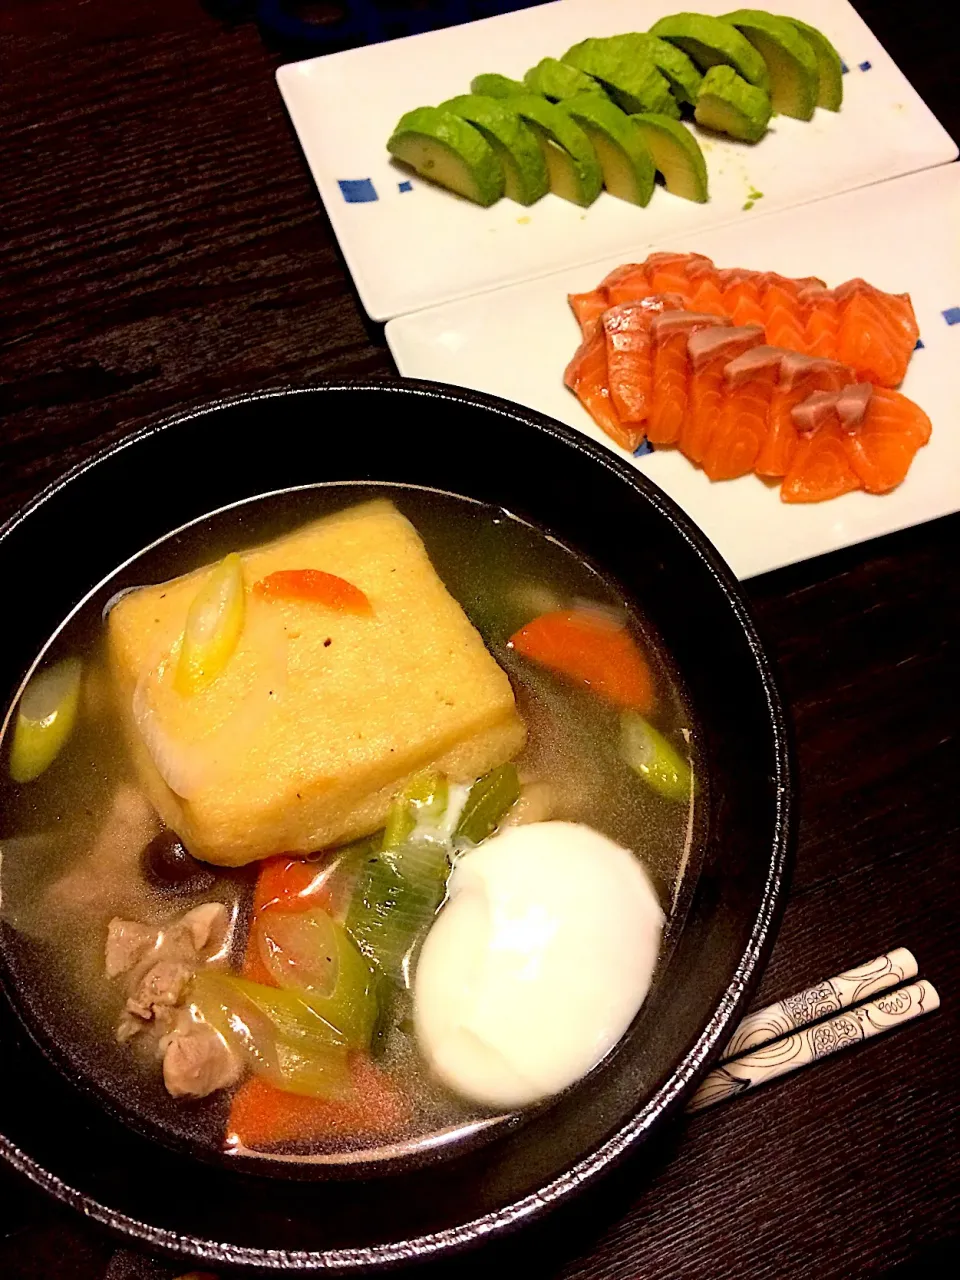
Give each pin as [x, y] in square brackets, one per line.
[161, 244]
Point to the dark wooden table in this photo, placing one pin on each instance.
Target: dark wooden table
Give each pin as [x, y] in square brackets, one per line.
[162, 244]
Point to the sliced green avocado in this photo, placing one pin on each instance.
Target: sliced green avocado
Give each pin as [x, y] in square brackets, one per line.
[672, 63]
[634, 83]
[791, 62]
[442, 147]
[829, 65]
[676, 154]
[628, 170]
[730, 105]
[556, 80]
[711, 42]
[524, 168]
[572, 163]
[493, 85]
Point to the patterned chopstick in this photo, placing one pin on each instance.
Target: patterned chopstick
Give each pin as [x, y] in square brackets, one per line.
[820, 1001]
[819, 1039]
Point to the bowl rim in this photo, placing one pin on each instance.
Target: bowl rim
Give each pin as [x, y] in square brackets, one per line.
[668, 1099]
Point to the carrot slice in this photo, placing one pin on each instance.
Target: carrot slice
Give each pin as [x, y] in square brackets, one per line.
[315, 586]
[592, 649]
[262, 1116]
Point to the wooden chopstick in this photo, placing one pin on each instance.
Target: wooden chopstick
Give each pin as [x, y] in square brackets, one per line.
[795, 1032]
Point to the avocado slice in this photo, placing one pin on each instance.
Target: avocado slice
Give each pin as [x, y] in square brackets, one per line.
[634, 83]
[628, 170]
[829, 65]
[442, 147]
[711, 42]
[572, 163]
[676, 154]
[493, 85]
[524, 168]
[730, 105]
[557, 80]
[791, 62]
[673, 64]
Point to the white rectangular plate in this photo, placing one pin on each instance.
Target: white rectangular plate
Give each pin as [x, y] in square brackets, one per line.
[414, 245]
[901, 236]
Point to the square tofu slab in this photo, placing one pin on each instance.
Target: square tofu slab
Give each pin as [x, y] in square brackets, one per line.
[320, 717]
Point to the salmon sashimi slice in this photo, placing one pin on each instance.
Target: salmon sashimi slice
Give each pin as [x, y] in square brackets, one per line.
[709, 351]
[627, 284]
[630, 353]
[878, 332]
[800, 375]
[588, 308]
[783, 312]
[670, 333]
[881, 448]
[705, 284]
[821, 467]
[741, 295]
[586, 376]
[741, 429]
[821, 313]
[668, 273]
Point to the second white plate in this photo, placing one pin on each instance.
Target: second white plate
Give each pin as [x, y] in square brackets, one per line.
[409, 244]
[901, 236]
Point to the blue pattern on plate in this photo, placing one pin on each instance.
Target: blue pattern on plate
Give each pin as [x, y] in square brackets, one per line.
[864, 66]
[952, 315]
[357, 190]
[404, 186]
[843, 67]
[643, 447]
[919, 345]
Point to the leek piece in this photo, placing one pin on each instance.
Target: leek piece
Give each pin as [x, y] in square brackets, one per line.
[214, 622]
[423, 799]
[283, 1041]
[397, 895]
[655, 759]
[348, 1007]
[45, 719]
[488, 802]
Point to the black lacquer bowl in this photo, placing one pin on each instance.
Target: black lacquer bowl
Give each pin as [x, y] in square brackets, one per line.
[105, 511]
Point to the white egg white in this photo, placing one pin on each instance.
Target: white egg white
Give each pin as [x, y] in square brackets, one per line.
[537, 963]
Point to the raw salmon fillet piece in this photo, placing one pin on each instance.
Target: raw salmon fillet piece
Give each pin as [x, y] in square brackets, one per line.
[799, 376]
[630, 353]
[821, 320]
[670, 333]
[586, 376]
[668, 273]
[742, 427]
[878, 332]
[741, 295]
[705, 284]
[821, 466]
[882, 447]
[783, 314]
[709, 352]
[629, 283]
[588, 308]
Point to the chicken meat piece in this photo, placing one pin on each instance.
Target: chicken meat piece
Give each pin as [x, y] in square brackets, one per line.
[207, 926]
[197, 1061]
[161, 989]
[128, 942]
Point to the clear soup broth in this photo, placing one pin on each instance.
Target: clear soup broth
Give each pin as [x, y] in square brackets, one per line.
[82, 846]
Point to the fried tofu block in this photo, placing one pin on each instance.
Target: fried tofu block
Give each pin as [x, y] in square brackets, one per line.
[320, 717]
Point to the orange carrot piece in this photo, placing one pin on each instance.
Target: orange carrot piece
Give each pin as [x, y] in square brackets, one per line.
[592, 649]
[315, 586]
[262, 1116]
